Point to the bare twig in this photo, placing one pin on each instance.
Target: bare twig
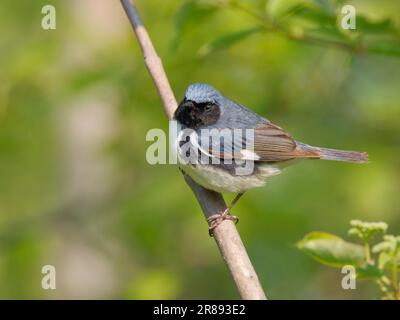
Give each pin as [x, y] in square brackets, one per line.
[226, 234]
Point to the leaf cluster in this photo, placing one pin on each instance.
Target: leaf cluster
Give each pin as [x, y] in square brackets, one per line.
[381, 264]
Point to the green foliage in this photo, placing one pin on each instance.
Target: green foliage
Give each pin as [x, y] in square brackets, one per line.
[390, 245]
[191, 14]
[313, 22]
[227, 40]
[385, 26]
[368, 271]
[385, 47]
[333, 251]
[279, 8]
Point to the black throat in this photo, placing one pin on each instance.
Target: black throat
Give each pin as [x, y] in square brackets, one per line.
[195, 115]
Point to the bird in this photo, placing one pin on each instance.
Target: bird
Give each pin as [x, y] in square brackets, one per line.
[204, 113]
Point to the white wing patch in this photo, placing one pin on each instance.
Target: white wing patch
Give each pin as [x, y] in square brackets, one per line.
[249, 155]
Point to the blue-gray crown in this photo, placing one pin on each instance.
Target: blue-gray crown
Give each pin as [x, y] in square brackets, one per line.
[201, 93]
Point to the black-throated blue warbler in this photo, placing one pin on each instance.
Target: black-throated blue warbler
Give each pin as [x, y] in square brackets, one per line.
[205, 113]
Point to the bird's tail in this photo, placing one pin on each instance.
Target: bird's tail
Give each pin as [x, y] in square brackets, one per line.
[336, 155]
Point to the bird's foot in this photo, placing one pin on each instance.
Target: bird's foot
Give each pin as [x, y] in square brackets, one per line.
[215, 220]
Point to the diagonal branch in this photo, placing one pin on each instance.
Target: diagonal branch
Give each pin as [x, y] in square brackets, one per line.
[226, 234]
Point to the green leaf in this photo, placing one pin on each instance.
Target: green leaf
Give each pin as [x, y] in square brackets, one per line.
[391, 48]
[368, 272]
[384, 26]
[227, 41]
[278, 8]
[331, 250]
[189, 15]
[317, 16]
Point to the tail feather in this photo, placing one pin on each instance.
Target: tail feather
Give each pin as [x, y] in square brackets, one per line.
[337, 155]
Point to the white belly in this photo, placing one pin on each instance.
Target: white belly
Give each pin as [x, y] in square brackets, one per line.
[217, 179]
[222, 181]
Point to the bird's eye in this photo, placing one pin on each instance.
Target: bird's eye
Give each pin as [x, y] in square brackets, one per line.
[208, 107]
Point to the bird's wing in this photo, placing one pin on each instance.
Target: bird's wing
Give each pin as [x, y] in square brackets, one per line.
[271, 143]
[265, 143]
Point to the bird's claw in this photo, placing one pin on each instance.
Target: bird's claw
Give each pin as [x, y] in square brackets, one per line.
[215, 220]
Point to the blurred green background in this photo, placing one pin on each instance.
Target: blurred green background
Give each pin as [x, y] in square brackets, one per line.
[76, 191]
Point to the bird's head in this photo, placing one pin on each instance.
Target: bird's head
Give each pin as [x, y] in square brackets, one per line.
[200, 106]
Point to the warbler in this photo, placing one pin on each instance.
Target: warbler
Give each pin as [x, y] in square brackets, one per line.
[222, 138]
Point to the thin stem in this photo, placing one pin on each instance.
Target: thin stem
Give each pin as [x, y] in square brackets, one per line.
[367, 252]
[225, 234]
